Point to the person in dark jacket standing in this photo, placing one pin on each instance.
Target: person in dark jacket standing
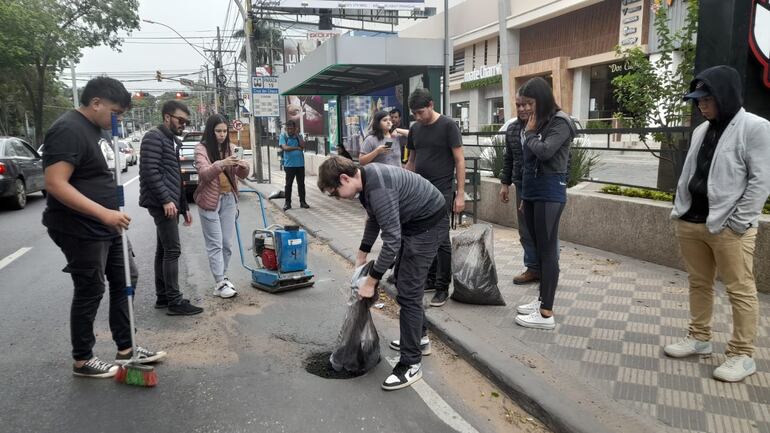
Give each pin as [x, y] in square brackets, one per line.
[83, 219]
[162, 193]
[545, 157]
[410, 215]
[723, 187]
[512, 175]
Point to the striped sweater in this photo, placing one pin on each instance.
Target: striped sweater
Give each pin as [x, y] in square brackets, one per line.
[396, 200]
[206, 195]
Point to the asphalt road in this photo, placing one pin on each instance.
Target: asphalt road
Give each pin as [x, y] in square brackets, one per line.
[239, 366]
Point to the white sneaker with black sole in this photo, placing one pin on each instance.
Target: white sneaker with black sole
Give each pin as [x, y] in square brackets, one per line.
[96, 368]
[424, 345]
[225, 289]
[144, 356]
[402, 376]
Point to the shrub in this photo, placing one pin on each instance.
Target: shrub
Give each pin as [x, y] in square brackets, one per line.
[638, 192]
[582, 161]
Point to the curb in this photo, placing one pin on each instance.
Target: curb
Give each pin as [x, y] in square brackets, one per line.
[562, 407]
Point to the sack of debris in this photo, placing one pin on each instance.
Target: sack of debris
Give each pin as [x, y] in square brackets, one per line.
[473, 267]
[358, 345]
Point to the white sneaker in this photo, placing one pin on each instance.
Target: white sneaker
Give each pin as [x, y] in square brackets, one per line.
[687, 346]
[424, 345]
[530, 308]
[735, 369]
[535, 320]
[225, 289]
[402, 376]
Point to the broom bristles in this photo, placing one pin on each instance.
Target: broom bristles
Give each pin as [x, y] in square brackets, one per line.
[136, 376]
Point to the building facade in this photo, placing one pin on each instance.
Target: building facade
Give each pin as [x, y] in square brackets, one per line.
[498, 45]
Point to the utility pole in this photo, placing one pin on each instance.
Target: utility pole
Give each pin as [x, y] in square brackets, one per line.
[447, 53]
[74, 85]
[256, 143]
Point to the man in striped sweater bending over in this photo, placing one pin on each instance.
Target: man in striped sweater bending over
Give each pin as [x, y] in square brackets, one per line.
[408, 211]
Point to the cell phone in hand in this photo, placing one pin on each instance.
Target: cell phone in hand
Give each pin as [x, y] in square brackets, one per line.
[389, 144]
[238, 153]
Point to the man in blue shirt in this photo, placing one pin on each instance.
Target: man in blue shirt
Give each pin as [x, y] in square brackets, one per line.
[293, 163]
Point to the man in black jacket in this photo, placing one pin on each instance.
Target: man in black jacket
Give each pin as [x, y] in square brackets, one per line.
[162, 193]
[512, 175]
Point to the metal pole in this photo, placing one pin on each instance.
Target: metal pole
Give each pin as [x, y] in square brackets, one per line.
[256, 145]
[447, 52]
[74, 85]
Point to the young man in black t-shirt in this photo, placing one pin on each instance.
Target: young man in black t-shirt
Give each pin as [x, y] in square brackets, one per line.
[83, 219]
[436, 153]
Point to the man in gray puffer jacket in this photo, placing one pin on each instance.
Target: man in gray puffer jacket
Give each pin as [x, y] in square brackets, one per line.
[724, 184]
[162, 193]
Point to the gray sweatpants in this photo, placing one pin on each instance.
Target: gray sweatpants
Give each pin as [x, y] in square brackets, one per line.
[218, 227]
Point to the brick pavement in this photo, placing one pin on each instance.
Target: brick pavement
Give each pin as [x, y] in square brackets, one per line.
[613, 315]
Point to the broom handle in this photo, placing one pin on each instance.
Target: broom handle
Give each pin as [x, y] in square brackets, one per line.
[124, 239]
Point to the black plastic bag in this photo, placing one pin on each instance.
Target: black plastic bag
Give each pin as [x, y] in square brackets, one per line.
[358, 345]
[473, 267]
[276, 194]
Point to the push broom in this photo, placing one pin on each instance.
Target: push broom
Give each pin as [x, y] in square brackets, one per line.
[132, 372]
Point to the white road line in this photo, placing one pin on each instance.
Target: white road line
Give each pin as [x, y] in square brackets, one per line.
[7, 261]
[438, 405]
[135, 178]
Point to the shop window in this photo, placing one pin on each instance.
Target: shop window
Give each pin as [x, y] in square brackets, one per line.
[498, 50]
[486, 49]
[602, 103]
[458, 62]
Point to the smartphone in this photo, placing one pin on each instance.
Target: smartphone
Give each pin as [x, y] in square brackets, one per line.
[238, 152]
[389, 144]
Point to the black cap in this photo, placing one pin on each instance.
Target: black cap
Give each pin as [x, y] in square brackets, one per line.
[700, 91]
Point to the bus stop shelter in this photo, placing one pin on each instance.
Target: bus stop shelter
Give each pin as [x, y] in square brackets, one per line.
[353, 66]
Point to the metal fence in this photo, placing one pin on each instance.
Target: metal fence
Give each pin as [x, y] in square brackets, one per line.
[668, 149]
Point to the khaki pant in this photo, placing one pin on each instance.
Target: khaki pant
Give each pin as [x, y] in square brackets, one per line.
[731, 256]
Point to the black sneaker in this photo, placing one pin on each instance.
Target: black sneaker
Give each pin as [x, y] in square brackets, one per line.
[161, 303]
[439, 298]
[184, 308]
[144, 356]
[304, 205]
[287, 206]
[424, 345]
[95, 367]
[403, 375]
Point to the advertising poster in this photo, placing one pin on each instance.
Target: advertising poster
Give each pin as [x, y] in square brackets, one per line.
[358, 112]
[308, 112]
[343, 4]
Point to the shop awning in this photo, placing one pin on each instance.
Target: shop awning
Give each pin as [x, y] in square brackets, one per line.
[358, 65]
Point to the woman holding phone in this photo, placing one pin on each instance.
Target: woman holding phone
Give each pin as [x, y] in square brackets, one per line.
[381, 145]
[546, 140]
[217, 197]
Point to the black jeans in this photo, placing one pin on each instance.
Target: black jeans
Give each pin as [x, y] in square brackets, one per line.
[88, 262]
[527, 243]
[542, 219]
[291, 173]
[167, 252]
[417, 254]
[440, 273]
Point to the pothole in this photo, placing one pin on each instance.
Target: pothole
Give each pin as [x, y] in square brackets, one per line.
[318, 364]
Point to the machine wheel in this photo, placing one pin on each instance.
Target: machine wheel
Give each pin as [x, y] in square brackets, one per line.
[19, 198]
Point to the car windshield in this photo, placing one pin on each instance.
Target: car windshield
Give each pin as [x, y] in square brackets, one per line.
[193, 137]
[187, 150]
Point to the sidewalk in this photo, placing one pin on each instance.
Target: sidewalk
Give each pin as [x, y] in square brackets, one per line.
[602, 368]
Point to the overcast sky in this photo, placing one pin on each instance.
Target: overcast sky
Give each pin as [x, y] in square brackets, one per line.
[154, 47]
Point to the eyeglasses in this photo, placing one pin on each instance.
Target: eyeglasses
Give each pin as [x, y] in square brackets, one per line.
[182, 121]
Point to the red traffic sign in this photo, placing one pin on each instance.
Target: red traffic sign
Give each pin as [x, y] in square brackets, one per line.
[237, 125]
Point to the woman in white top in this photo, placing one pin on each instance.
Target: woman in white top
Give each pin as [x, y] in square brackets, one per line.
[381, 145]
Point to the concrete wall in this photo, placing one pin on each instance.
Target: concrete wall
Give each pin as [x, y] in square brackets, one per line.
[633, 227]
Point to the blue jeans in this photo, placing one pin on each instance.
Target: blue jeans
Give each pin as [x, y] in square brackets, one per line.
[530, 249]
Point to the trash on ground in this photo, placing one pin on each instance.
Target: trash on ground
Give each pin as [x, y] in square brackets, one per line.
[473, 267]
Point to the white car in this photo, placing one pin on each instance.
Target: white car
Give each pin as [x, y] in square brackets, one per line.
[109, 156]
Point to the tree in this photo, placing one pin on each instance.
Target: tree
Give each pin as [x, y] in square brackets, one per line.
[264, 38]
[61, 29]
[651, 92]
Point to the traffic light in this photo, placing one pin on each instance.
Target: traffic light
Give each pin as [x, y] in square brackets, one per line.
[140, 95]
[182, 95]
[158, 76]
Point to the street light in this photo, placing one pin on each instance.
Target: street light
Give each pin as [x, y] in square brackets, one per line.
[185, 39]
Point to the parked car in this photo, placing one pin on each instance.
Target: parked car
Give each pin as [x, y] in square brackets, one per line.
[109, 156]
[131, 154]
[187, 161]
[21, 172]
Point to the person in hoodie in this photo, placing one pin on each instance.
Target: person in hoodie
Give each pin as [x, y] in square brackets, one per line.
[547, 138]
[723, 187]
